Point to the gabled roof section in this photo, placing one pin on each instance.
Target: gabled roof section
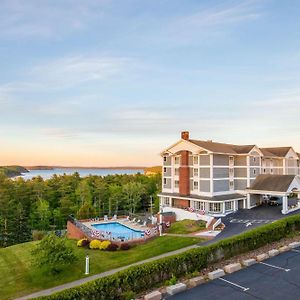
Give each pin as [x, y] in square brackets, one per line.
[242, 149]
[276, 151]
[223, 148]
[298, 154]
[274, 183]
[215, 147]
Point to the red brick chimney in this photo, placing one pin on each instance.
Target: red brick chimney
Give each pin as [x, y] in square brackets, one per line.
[184, 174]
[185, 135]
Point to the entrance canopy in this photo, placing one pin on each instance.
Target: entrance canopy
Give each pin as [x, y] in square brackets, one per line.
[277, 185]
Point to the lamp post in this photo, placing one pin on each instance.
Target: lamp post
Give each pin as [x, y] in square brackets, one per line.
[160, 220]
[87, 265]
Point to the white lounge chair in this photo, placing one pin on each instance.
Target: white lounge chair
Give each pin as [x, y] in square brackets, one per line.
[114, 217]
[144, 223]
[133, 220]
[127, 219]
[105, 218]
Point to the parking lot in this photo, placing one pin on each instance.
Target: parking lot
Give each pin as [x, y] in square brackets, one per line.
[276, 278]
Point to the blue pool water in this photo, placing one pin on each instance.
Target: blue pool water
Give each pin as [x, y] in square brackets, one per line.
[119, 231]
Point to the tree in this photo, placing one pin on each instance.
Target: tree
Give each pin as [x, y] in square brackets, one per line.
[115, 197]
[132, 193]
[87, 210]
[53, 253]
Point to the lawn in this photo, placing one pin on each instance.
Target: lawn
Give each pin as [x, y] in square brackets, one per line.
[186, 227]
[18, 277]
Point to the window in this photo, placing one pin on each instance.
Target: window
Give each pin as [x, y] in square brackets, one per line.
[166, 201]
[176, 183]
[196, 185]
[271, 170]
[254, 172]
[264, 171]
[195, 160]
[165, 170]
[199, 205]
[165, 158]
[228, 205]
[231, 160]
[231, 172]
[176, 171]
[215, 207]
[254, 159]
[177, 160]
[165, 181]
[231, 184]
[196, 172]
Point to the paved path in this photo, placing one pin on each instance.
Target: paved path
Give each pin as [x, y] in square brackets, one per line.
[100, 275]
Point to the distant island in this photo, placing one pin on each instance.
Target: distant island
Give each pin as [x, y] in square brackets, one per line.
[13, 171]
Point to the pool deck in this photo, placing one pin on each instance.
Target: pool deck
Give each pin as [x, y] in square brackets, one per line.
[123, 221]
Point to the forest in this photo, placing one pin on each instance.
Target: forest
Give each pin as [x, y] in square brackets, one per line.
[38, 205]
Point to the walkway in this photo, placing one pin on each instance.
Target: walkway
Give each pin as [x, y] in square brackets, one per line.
[100, 275]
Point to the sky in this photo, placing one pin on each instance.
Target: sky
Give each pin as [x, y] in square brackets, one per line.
[114, 82]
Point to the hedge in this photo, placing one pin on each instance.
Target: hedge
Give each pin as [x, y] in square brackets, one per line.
[145, 276]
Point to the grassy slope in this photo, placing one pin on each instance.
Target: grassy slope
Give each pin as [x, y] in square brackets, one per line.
[186, 226]
[17, 277]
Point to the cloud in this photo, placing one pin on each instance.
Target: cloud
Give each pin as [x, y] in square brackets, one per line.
[34, 18]
[74, 70]
[67, 72]
[204, 24]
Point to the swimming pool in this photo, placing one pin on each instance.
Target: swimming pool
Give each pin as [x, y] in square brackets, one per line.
[118, 231]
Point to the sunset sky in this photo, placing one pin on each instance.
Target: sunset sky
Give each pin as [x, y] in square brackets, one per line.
[112, 83]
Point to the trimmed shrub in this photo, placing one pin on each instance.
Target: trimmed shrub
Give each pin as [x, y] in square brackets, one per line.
[140, 278]
[125, 246]
[38, 235]
[112, 247]
[104, 245]
[95, 244]
[83, 243]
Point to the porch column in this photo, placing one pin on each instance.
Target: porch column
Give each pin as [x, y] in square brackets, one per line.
[223, 208]
[234, 205]
[248, 201]
[284, 205]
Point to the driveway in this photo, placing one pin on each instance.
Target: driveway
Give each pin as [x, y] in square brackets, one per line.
[276, 278]
[247, 219]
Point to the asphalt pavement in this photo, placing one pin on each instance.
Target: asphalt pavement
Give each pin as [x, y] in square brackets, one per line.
[276, 278]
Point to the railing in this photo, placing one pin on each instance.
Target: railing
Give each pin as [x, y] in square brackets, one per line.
[218, 222]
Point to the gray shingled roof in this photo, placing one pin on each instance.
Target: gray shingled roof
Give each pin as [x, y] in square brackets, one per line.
[275, 183]
[276, 151]
[222, 147]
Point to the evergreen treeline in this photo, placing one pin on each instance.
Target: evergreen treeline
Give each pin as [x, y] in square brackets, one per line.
[45, 205]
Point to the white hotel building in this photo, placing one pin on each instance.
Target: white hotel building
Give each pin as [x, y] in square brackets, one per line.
[218, 178]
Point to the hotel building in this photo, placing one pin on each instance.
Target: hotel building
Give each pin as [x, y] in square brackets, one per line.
[217, 179]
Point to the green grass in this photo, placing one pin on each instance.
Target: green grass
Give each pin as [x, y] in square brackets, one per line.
[18, 277]
[186, 227]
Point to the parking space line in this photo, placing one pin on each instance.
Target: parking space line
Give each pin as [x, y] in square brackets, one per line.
[294, 250]
[235, 284]
[275, 267]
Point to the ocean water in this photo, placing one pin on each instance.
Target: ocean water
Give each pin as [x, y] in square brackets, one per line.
[47, 174]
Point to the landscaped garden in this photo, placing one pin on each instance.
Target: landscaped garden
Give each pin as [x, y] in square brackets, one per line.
[186, 227]
[19, 276]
